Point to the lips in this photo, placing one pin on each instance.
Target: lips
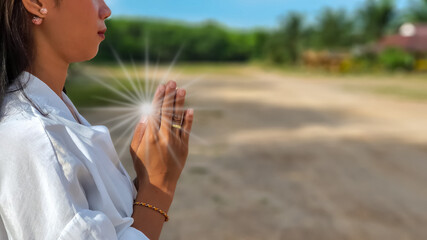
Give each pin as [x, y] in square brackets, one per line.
[102, 33]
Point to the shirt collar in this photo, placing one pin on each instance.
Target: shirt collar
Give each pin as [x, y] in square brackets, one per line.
[46, 99]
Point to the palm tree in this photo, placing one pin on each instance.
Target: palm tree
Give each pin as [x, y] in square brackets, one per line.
[333, 30]
[285, 44]
[417, 12]
[375, 17]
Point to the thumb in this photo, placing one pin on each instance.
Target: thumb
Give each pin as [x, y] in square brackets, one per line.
[139, 133]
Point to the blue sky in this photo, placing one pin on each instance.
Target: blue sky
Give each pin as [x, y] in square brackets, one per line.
[234, 13]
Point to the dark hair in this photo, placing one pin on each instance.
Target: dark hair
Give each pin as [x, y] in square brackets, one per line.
[16, 44]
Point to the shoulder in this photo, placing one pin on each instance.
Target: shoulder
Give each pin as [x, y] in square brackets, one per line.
[22, 135]
[31, 141]
[18, 119]
[16, 107]
[27, 153]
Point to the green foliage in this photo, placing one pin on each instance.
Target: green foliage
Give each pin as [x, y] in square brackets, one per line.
[261, 37]
[334, 30]
[375, 17]
[358, 65]
[285, 44]
[204, 42]
[397, 59]
[417, 11]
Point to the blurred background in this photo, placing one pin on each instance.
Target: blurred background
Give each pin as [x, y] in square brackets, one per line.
[310, 116]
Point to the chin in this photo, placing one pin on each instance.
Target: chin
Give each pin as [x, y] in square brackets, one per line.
[91, 53]
[92, 56]
[86, 55]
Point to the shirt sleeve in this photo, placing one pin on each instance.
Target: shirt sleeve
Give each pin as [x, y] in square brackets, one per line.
[88, 224]
[42, 198]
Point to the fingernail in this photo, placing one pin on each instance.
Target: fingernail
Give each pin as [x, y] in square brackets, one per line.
[181, 92]
[190, 111]
[172, 84]
[161, 89]
[143, 119]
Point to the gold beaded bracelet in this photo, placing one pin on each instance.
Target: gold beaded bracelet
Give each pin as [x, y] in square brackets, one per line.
[152, 207]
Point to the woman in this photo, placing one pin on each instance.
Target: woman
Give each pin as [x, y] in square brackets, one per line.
[60, 177]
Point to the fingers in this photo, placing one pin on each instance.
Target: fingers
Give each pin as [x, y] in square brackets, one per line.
[144, 121]
[178, 111]
[137, 136]
[186, 126]
[167, 108]
[155, 116]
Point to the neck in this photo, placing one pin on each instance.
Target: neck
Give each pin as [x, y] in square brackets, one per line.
[49, 67]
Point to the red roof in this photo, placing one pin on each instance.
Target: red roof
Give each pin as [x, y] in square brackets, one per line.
[420, 29]
[416, 43]
[412, 44]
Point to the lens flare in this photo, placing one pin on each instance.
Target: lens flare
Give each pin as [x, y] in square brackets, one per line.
[134, 97]
[146, 109]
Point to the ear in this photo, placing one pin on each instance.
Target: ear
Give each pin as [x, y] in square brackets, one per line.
[34, 6]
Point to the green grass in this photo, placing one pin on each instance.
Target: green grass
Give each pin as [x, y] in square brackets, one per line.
[85, 92]
[320, 73]
[187, 68]
[401, 85]
[402, 92]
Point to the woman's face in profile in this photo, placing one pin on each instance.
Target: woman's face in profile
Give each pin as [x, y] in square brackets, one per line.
[73, 28]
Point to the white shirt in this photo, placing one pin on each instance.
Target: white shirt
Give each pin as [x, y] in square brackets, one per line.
[59, 179]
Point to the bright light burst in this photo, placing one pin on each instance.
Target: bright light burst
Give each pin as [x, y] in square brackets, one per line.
[146, 109]
[136, 95]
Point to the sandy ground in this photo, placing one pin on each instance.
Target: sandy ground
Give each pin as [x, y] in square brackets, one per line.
[284, 157]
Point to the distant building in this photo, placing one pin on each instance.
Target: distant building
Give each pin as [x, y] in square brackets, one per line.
[411, 37]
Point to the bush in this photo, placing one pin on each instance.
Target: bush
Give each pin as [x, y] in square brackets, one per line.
[421, 65]
[397, 59]
[207, 41]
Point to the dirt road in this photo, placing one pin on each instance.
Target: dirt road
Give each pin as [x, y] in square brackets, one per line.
[284, 157]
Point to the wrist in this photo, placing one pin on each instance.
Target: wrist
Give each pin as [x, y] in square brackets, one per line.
[154, 195]
[158, 182]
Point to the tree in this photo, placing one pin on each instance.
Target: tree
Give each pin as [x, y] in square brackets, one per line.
[334, 30]
[417, 11]
[375, 17]
[285, 44]
[261, 38]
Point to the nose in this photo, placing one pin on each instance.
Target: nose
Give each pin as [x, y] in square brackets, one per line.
[104, 11]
